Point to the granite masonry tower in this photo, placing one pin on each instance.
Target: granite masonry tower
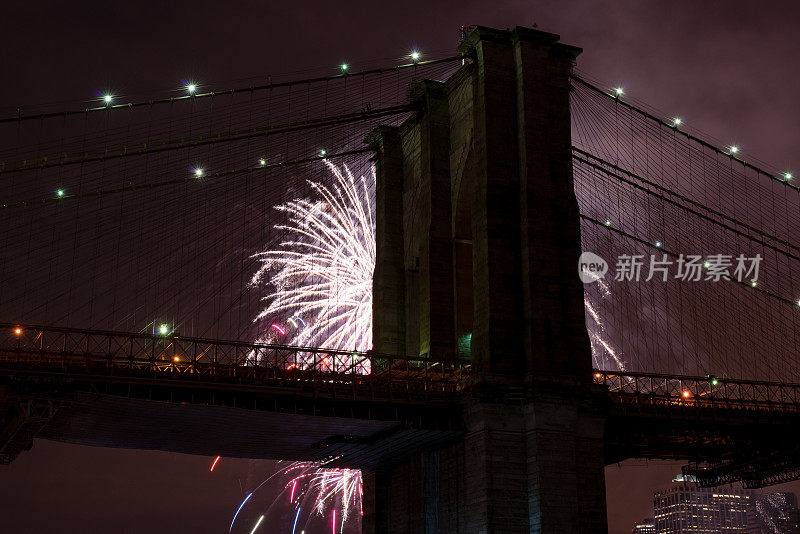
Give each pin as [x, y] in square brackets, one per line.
[478, 240]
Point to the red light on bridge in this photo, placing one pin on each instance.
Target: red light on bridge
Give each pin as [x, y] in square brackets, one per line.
[176, 358]
[18, 331]
[598, 375]
[686, 394]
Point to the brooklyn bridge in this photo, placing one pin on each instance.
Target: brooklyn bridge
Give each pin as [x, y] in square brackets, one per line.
[497, 384]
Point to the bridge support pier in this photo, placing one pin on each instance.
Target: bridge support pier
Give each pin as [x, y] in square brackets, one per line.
[481, 178]
[533, 468]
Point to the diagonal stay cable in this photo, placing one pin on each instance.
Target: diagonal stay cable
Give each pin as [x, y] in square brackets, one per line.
[604, 167]
[676, 254]
[192, 142]
[264, 87]
[702, 142]
[177, 181]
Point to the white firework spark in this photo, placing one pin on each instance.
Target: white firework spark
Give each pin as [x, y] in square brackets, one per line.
[326, 488]
[320, 275]
[598, 342]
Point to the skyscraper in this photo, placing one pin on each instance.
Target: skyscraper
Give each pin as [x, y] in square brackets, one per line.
[683, 508]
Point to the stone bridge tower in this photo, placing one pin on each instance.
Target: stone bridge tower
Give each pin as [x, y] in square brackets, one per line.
[478, 240]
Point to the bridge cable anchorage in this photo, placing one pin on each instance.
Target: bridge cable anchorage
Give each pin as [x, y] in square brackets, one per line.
[251, 89]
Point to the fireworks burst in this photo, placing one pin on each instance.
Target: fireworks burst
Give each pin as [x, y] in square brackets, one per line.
[320, 275]
[312, 491]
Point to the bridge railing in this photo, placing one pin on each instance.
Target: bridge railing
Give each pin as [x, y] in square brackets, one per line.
[75, 352]
[79, 351]
[699, 391]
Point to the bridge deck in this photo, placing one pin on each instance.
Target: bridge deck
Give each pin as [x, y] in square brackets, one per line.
[341, 407]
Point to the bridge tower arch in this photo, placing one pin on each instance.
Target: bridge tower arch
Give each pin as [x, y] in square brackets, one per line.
[478, 239]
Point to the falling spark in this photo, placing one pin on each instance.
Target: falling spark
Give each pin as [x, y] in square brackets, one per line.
[260, 519]
[333, 487]
[214, 464]
[328, 488]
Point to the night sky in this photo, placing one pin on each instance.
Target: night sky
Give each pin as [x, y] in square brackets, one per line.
[729, 69]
